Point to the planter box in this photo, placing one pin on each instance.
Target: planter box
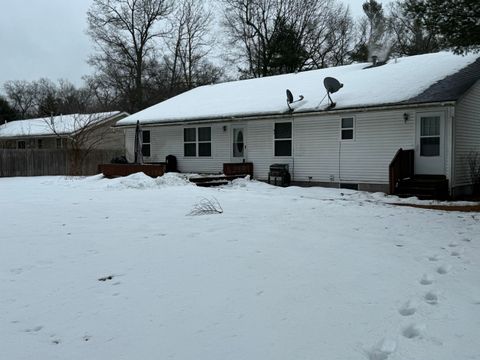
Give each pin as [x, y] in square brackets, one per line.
[238, 169]
[115, 170]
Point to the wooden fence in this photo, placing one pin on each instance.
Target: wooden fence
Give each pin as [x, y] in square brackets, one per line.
[34, 162]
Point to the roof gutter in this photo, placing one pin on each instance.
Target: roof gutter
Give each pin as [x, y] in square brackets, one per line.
[289, 114]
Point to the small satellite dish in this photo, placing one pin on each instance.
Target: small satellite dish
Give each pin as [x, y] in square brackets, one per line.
[289, 96]
[332, 85]
[290, 99]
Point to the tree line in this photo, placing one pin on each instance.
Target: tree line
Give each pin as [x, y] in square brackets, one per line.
[147, 51]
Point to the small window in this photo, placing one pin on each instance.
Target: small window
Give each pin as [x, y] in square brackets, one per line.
[59, 143]
[283, 139]
[21, 144]
[40, 144]
[197, 140]
[146, 143]
[348, 128]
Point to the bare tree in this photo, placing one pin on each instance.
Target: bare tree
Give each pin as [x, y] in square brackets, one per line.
[23, 97]
[190, 44]
[412, 35]
[126, 33]
[83, 133]
[311, 25]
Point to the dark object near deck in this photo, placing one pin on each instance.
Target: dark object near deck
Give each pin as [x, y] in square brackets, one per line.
[209, 181]
[171, 163]
[119, 160]
[280, 172]
[115, 170]
[405, 183]
[424, 187]
[245, 168]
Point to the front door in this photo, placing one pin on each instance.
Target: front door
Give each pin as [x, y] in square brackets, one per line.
[239, 146]
[430, 144]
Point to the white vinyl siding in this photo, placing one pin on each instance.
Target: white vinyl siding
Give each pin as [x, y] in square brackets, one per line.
[169, 140]
[467, 133]
[318, 153]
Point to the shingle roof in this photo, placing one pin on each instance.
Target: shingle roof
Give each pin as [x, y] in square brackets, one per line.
[452, 87]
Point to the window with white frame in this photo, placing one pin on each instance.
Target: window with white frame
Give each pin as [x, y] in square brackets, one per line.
[146, 143]
[430, 136]
[348, 128]
[204, 141]
[197, 141]
[283, 139]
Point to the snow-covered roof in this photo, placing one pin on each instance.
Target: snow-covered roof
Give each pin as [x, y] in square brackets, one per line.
[56, 125]
[395, 82]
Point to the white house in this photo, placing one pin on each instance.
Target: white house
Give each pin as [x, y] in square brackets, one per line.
[55, 132]
[428, 104]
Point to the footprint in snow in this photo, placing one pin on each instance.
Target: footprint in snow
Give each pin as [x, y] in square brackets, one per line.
[453, 244]
[457, 252]
[35, 329]
[382, 350]
[409, 308]
[431, 297]
[444, 269]
[434, 257]
[413, 330]
[426, 279]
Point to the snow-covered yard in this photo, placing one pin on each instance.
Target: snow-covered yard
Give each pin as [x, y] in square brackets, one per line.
[282, 273]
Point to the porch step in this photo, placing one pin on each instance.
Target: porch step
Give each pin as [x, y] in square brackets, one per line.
[424, 187]
[209, 181]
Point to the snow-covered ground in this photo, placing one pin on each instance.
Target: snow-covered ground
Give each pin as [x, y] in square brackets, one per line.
[282, 273]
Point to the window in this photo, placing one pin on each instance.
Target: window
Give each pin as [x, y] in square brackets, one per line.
[39, 143]
[197, 140]
[190, 142]
[348, 127]
[21, 144]
[283, 139]
[146, 142]
[59, 143]
[204, 141]
[430, 136]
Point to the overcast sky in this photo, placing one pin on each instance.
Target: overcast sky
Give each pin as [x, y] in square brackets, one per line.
[46, 38]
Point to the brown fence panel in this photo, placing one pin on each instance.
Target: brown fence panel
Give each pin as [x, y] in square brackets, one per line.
[34, 162]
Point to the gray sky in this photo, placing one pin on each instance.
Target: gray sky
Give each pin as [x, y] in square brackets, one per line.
[46, 38]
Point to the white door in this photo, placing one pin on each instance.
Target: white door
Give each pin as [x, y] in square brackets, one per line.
[239, 146]
[430, 144]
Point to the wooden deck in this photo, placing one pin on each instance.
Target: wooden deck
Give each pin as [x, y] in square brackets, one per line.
[116, 170]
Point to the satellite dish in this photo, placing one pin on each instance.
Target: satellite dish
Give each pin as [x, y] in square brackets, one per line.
[289, 96]
[290, 99]
[332, 85]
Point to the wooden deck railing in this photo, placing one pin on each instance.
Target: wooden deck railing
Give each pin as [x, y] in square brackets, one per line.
[401, 167]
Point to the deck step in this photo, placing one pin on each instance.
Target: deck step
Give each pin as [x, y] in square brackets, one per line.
[423, 187]
[209, 181]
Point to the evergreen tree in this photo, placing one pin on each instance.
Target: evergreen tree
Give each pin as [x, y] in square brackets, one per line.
[457, 22]
[7, 113]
